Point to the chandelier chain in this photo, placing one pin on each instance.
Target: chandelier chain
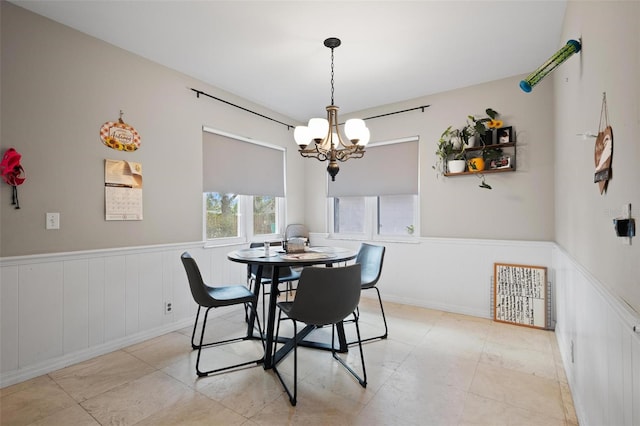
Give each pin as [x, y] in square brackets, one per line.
[332, 76]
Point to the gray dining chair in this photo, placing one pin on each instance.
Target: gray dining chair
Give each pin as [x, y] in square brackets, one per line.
[285, 275]
[296, 230]
[325, 296]
[208, 298]
[371, 257]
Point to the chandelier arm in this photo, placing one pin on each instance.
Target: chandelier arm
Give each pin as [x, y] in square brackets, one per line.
[344, 155]
[323, 147]
[332, 118]
[320, 156]
[358, 154]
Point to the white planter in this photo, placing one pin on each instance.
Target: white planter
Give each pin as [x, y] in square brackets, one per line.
[456, 166]
[471, 141]
[456, 142]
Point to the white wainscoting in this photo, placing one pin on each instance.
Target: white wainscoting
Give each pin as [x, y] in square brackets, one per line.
[600, 350]
[60, 309]
[448, 274]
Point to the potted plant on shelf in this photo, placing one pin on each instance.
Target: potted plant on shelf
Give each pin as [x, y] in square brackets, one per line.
[477, 165]
[490, 156]
[469, 135]
[457, 163]
[482, 128]
[449, 155]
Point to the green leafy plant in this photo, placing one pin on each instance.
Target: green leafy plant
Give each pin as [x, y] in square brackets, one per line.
[484, 184]
[479, 126]
[445, 150]
[491, 154]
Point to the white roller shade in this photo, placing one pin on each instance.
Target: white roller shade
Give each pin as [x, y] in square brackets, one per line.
[238, 166]
[385, 169]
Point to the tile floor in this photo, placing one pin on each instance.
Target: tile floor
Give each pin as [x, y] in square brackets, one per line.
[436, 368]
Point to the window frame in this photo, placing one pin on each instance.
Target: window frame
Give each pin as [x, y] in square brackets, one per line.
[371, 222]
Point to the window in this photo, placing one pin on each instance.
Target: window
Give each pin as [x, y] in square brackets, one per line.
[241, 217]
[264, 215]
[221, 212]
[243, 184]
[396, 214]
[374, 217]
[370, 205]
[347, 215]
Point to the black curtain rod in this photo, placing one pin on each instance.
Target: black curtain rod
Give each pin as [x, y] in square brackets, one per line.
[422, 107]
[200, 92]
[289, 126]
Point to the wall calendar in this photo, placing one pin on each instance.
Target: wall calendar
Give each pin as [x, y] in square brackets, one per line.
[122, 190]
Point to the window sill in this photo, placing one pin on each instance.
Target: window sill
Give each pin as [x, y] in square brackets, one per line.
[378, 238]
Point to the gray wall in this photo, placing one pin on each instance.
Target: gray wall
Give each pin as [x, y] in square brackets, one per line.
[58, 87]
[520, 205]
[609, 62]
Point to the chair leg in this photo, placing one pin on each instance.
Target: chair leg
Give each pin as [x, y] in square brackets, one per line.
[384, 319]
[201, 373]
[235, 339]
[292, 397]
[193, 335]
[289, 290]
[364, 369]
[250, 284]
[260, 329]
[264, 293]
[264, 296]
[361, 380]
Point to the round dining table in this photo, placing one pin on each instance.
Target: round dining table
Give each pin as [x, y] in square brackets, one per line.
[277, 258]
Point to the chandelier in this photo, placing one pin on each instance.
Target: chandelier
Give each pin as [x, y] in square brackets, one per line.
[328, 144]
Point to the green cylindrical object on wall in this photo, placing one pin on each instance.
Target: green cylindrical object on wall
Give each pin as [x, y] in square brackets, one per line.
[572, 46]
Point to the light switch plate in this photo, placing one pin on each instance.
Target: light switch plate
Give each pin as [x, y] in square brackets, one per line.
[53, 221]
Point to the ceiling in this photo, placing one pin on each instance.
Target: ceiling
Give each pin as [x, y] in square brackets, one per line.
[272, 52]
